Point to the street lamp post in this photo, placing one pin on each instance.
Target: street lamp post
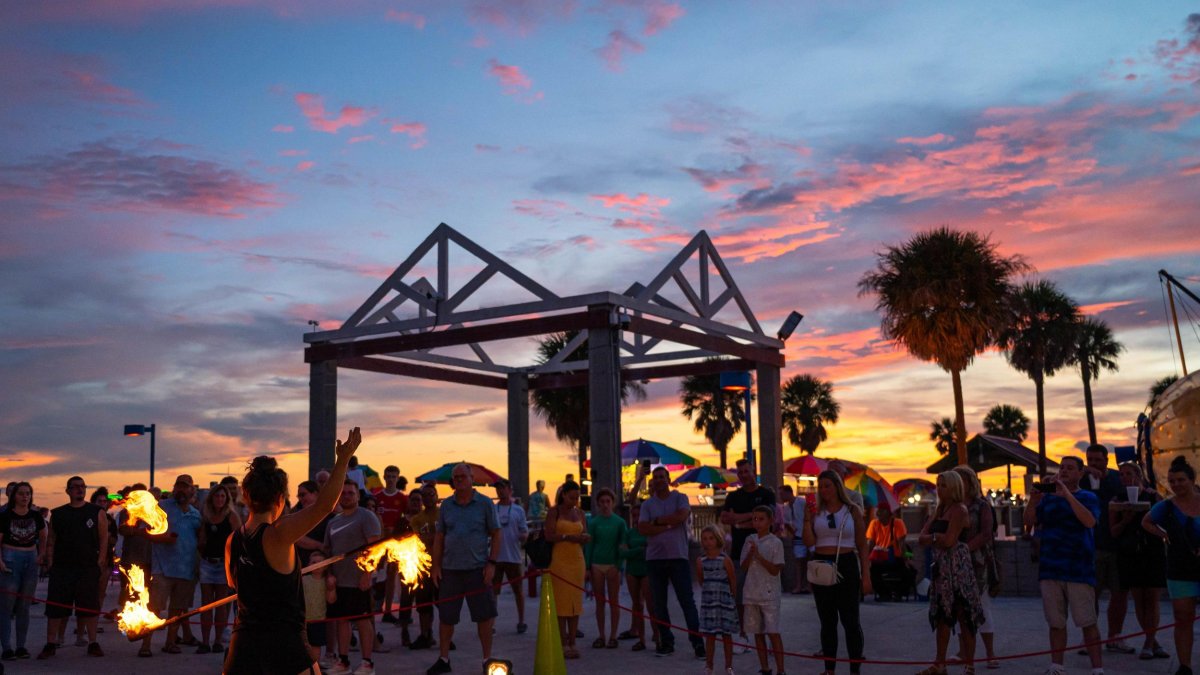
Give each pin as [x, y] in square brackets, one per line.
[741, 382]
[142, 430]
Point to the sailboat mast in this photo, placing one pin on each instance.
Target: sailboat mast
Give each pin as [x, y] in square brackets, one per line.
[1175, 317]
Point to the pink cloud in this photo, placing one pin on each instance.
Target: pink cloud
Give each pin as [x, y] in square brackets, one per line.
[935, 139]
[660, 16]
[1101, 307]
[283, 128]
[1181, 56]
[414, 130]
[292, 153]
[722, 180]
[305, 165]
[69, 79]
[519, 17]
[513, 81]
[641, 203]
[313, 108]
[398, 16]
[619, 44]
[360, 139]
[94, 87]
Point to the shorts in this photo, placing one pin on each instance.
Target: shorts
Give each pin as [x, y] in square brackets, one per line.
[512, 571]
[171, 594]
[1058, 596]
[469, 583]
[213, 571]
[352, 602]
[1108, 576]
[316, 634]
[602, 569]
[424, 596]
[799, 549]
[760, 619]
[1176, 588]
[272, 650]
[73, 586]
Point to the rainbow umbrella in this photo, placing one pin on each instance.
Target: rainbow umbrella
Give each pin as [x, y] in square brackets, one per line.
[480, 475]
[903, 489]
[706, 475]
[874, 489]
[658, 453]
[805, 465]
[371, 478]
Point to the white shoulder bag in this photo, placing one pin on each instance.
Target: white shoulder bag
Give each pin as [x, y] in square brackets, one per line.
[825, 572]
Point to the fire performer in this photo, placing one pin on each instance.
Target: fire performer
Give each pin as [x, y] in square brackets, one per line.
[261, 564]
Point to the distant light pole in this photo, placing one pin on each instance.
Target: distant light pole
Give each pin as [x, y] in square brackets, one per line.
[142, 430]
[741, 382]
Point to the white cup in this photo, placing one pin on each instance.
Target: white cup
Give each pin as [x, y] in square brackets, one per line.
[1131, 492]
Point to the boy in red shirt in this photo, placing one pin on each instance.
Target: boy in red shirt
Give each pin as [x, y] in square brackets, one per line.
[390, 504]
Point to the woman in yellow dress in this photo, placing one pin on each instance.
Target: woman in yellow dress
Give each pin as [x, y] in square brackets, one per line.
[565, 527]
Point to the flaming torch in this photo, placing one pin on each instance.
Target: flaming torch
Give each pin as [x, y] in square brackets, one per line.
[408, 552]
[136, 618]
[141, 505]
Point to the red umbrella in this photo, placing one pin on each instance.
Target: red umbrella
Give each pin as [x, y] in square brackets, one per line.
[805, 465]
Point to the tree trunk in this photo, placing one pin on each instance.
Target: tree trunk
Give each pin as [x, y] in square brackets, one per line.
[722, 452]
[1039, 387]
[960, 425]
[1087, 400]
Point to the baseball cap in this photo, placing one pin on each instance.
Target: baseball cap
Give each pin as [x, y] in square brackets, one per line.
[185, 479]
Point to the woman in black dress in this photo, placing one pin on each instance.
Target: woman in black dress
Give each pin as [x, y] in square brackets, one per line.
[261, 564]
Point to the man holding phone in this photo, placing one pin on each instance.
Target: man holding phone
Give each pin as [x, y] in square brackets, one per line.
[1066, 566]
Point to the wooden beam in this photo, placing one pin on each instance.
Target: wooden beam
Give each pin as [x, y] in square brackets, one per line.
[706, 367]
[424, 372]
[455, 336]
[710, 342]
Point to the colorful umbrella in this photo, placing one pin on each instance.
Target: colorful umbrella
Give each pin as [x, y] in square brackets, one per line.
[874, 489]
[805, 465]
[903, 489]
[706, 475]
[480, 475]
[658, 453]
[371, 477]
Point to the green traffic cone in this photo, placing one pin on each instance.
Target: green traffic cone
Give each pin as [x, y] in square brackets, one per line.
[548, 656]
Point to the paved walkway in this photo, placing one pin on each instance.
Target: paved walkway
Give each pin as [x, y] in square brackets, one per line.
[894, 631]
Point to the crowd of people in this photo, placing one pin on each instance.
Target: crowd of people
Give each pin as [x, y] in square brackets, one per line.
[1095, 529]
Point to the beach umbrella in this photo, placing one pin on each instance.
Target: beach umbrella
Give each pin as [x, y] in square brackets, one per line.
[903, 489]
[805, 465]
[371, 478]
[706, 475]
[874, 489]
[480, 475]
[658, 453]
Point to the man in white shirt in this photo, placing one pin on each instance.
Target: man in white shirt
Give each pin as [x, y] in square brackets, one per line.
[510, 563]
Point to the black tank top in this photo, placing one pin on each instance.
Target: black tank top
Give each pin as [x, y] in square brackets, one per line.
[216, 534]
[266, 598]
[76, 535]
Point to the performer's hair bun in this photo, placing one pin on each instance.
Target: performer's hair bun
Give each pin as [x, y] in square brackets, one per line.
[264, 484]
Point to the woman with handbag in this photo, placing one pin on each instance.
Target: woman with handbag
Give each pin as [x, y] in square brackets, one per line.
[981, 543]
[838, 567]
[1177, 522]
[1141, 556]
[953, 596]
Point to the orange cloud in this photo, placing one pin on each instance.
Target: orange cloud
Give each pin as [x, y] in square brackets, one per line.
[1101, 307]
[313, 108]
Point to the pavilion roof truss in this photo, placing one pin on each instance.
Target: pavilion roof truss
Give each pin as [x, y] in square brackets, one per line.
[401, 325]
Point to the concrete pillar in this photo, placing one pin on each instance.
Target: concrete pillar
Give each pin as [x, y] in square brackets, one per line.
[770, 427]
[322, 415]
[604, 404]
[518, 434]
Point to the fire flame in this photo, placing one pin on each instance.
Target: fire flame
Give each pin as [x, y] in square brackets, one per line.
[408, 552]
[141, 505]
[136, 618]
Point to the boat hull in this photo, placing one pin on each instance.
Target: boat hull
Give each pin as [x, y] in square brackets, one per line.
[1175, 426]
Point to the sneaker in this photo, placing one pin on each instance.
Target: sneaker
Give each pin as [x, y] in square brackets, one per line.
[327, 662]
[379, 646]
[521, 628]
[22, 653]
[440, 666]
[1054, 669]
[95, 650]
[338, 668]
[698, 649]
[365, 668]
[664, 650]
[10, 655]
[1119, 647]
[422, 642]
[47, 651]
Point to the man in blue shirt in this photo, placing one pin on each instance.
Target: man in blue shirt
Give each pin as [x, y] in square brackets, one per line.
[663, 521]
[1066, 567]
[465, 550]
[176, 564]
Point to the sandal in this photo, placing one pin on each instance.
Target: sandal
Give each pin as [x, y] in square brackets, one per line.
[171, 649]
[933, 670]
[145, 652]
[570, 653]
[639, 647]
[612, 644]
[598, 643]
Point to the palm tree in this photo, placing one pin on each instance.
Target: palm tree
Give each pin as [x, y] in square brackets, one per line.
[1159, 387]
[716, 413]
[1041, 341]
[1006, 421]
[1095, 350]
[944, 435]
[944, 296]
[565, 410]
[806, 406]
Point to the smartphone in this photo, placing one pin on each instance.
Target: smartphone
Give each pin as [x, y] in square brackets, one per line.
[1046, 487]
[646, 464]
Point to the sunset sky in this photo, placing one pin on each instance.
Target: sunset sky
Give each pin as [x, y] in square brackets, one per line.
[184, 184]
